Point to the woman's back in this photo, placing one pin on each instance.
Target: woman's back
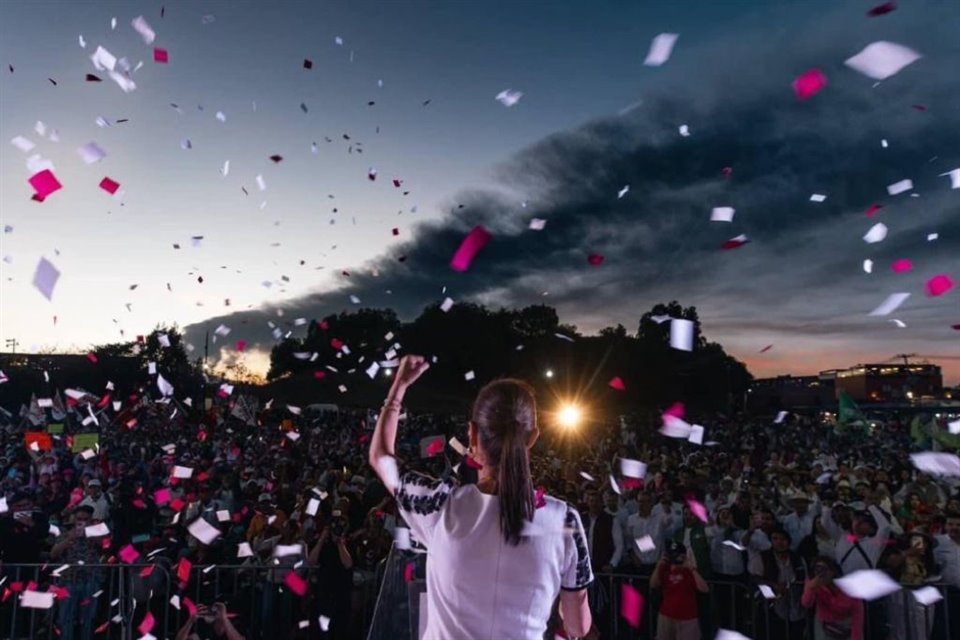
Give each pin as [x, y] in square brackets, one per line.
[478, 585]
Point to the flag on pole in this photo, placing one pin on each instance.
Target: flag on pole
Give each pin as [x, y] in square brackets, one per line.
[849, 414]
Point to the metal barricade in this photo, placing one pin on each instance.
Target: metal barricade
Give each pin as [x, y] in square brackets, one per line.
[114, 601]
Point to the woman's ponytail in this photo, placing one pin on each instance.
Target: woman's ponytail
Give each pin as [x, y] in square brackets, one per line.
[515, 485]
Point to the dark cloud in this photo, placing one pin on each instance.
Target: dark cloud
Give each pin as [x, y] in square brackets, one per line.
[801, 275]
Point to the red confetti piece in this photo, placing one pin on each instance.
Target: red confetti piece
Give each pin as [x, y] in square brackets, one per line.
[595, 259]
[93, 78]
[735, 243]
[102, 628]
[336, 343]
[874, 208]
[110, 186]
[476, 240]
[408, 572]
[324, 325]
[920, 107]
[177, 504]
[397, 183]
[395, 231]
[60, 593]
[435, 447]
[44, 183]
[809, 84]
[188, 603]
[295, 583]
[183, 570]
[319, 375]
[955, 327]
[631, 605]
[631, 483]
[766, 348]
[473, 464]
[939, 285]
[241, 345]
[882, 9]
[727, 172]
[139, 504]
[541, 501]
[161, 56]
[92, 357]
[37, 197]
[617, 383]
[276, 158]
[901, 266]
[146, 571]
[307, 63]
[147, 624]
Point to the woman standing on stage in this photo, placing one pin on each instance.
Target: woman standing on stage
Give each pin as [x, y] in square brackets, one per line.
[498, 553]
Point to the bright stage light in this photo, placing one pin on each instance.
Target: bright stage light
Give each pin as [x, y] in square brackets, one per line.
[569, 416]
[549, 373]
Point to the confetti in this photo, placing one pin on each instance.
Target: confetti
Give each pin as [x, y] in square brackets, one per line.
[722, 214]
[867, 585]
[36, 599]
[203, 531]
[818, 197]
[901, 266]
[938, 285]
[22, 143]
[595, 259]
[873, 209]
[631, 605]
[661, 47]
[508, 98]
[882, 9]
[44, 183]
[890, 305]
[809, 84]
[735, 243]
[476, 240]
[537, 224]
[927, 595]
[110, 186]
[617, 383]
[881, 60]
[623, 191]
[954, 176]
[91, 152]
[868, 265]
[900, 187]
[877, 233]
[140, 26]
[681, 334]
[45, 278]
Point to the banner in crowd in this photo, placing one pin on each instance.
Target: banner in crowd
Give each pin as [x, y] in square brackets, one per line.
[37, 441]
[83, 441]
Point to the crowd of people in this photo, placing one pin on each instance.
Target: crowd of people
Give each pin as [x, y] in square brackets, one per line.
[748, 532]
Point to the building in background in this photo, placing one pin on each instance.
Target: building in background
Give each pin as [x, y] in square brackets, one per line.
[890, 382]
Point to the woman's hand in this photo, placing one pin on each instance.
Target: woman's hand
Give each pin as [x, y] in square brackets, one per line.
[410, 370]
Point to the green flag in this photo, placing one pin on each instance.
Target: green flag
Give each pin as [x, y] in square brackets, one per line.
[849, 414]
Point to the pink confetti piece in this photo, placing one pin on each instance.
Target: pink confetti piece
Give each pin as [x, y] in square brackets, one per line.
[697, 509]
[183, 570]
[147, 624]
[540, 498]
[631, 605]
[617, 383]
[476, 240]
[473, 464]
[676, 410]
[161, 56]
[92, 357]
[296, 583]
[595, 259]
[110, 186]
[191, 607]
[128, 554]
[44, 183]
[874, 208]
[939, 285]
[241, 345]
[408, 572]
[809, 84]
[901, 266]
[882, 9]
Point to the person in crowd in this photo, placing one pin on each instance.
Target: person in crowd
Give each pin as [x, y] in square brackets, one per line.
[335, 569]
[676, 576]
[266, 514]
[910, 561]
[783, 573]
[728, 564]
[74, 548]
[799, 522]
[643, 525]
[837, 616]
[947, 556]
[517, 554]
[209, 622]
[96, 498]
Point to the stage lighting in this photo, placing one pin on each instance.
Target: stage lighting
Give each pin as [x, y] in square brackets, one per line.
[569, 416]
[549, 373]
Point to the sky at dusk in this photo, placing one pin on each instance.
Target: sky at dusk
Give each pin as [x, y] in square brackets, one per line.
[410, 91]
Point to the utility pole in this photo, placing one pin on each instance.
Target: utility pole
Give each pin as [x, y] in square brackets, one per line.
[12, 344]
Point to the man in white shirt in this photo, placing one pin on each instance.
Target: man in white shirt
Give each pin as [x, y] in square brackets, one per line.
[860, 550]
[799, 523]
[642, 524]
[668, 508]
[96, 499]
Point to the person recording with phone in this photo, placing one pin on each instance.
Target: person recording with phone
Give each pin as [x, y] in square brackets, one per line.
[837, 615]
[677, 577]
[331, 555]
[209, 622]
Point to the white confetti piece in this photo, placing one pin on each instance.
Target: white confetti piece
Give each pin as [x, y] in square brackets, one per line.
[221, 116]
[22, 143]
[508, 97]
[681, 334]
[927, 595]
[140, 26]
[469, 375]
[661, 47]
[954, 178]
[624, 191]
[818, 197]
[45, 278]
[36, 599]
[722, 214]
[203, 531]
[877, 233]
[537, 224]
[91, 152]
[868, 265]
[243, 551]
[632, 468]
[182, 473]
[900, 323]
[944, 464]
[882, 59]
[446, 305]
[96, 531]
[684, 131]
[899, 187]
[867, 585]
[890, 305]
